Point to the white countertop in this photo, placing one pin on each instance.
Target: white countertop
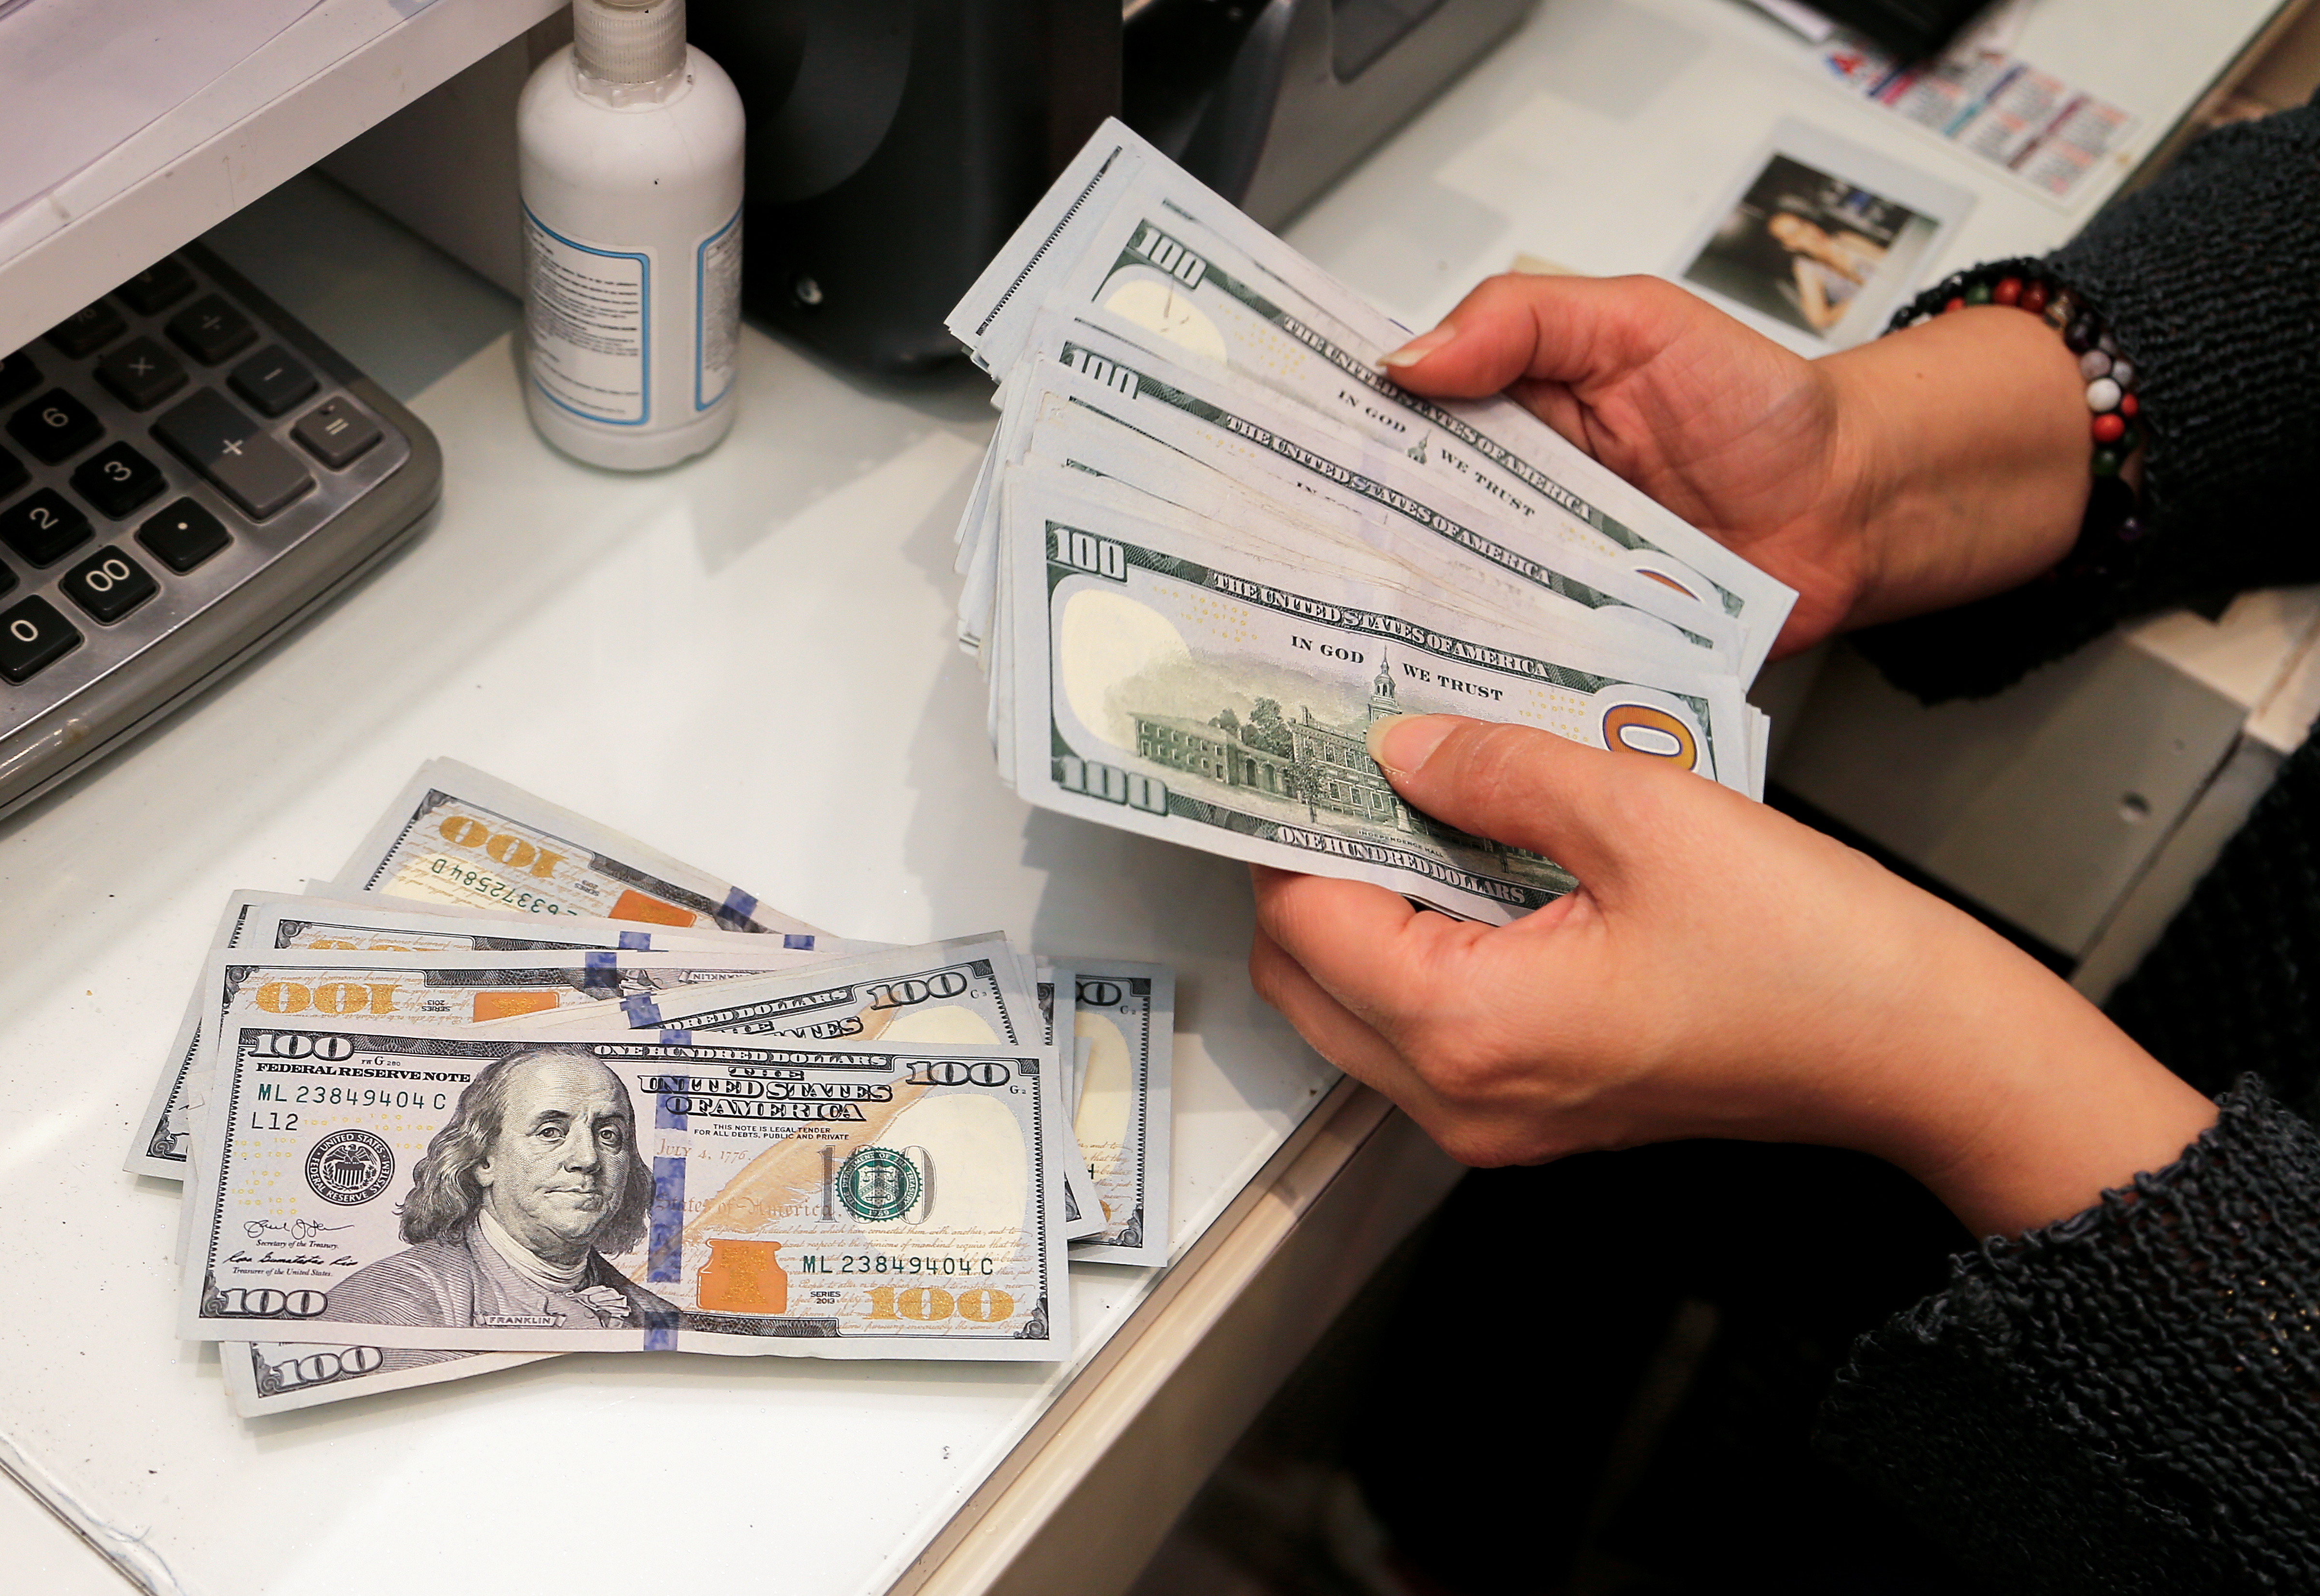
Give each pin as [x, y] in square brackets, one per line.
[747, 661]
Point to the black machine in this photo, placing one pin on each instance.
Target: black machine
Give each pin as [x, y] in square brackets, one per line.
[894, 144]
[1912, 29]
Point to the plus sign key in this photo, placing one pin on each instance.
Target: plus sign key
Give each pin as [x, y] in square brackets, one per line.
[210, 435]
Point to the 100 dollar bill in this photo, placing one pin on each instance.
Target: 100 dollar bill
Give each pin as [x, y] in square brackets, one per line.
[458, 835]
[645, 1194]
[1122, 1017]
[945, 992]
[262, 920]
[1296, 455]
[1189, 692]
[1125, 230]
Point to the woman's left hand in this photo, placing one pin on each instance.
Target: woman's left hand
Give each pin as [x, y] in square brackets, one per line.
[1722, 971]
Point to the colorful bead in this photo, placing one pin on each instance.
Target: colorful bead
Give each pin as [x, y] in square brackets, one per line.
[2033, 298]
[2102, 394]
[2128, 405]
[1955, 304]
[2079, 337]
[2123, 372]
[2008, 291]
[1978, 294]
[2106, 462]
[2093, 363]
[2109, 429]
[2107, 345]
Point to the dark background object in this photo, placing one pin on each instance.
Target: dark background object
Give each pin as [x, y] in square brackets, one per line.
[1911, 29]
[894, 144]
[1268, 102]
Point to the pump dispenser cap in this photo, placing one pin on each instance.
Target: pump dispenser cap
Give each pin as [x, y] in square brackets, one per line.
[628, 41]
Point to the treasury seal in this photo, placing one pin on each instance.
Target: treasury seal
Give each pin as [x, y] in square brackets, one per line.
[878, 1182]
[349, 1166]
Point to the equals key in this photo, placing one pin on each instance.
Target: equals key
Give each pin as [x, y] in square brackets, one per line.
[336, 433]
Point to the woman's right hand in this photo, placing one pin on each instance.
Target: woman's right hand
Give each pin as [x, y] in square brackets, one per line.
[1721, 971]
[1915, 472]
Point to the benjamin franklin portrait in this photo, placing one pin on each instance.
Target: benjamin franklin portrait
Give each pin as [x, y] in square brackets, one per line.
[515, 1206]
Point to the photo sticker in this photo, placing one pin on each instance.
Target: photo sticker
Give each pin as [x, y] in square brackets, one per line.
[1821, 241]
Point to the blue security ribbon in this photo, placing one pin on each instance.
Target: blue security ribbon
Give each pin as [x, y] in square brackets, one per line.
[665, 1251]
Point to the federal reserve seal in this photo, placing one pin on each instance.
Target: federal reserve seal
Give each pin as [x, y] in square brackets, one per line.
[878, 1183]
[349, 1166]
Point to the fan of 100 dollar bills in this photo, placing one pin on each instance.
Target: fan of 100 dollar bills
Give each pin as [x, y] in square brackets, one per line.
[1211, 544]
[514, 1085]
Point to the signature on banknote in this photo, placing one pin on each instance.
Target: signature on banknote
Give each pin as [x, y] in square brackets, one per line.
[292, 1231]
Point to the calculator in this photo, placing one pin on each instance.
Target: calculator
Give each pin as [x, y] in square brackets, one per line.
[185, 472]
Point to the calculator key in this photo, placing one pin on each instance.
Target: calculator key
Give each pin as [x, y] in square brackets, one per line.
[7, 578]
[227, 447]
[141, 373]
[18, 377]
[108, 584]
[184, 535]
[157, 287]
[12, 474]
[88, 329]
[273, 380]
[210, 330]
[336, 433]
[43, 526]
[117, 480]
[34, 634]
[56, 425]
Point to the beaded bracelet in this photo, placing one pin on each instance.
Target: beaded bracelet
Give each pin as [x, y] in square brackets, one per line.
[2117, 430]
[2026, 285]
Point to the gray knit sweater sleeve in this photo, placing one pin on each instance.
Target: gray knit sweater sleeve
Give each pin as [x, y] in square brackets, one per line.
[2128, 1401]
[2210, 280]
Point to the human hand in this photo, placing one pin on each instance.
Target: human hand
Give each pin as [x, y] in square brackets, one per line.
[1917, 471]
[1722, 971]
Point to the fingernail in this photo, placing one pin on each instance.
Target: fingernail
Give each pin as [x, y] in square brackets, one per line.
[1419, 347]
[1402, 745]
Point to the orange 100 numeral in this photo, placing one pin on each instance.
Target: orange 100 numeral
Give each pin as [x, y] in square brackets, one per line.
[504, 848]
[328, 998]
[927, 1303]
[1641, 729]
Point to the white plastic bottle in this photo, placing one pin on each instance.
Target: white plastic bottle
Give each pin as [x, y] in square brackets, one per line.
[630, 152]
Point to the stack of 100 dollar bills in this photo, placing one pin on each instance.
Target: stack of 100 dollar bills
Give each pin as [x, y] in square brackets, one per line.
[1212, 543]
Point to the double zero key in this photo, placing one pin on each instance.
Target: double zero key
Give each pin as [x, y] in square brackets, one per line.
[108, 584]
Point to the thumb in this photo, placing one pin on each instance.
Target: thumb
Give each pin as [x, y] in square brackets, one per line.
[1515, 784]
[1571, 330]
